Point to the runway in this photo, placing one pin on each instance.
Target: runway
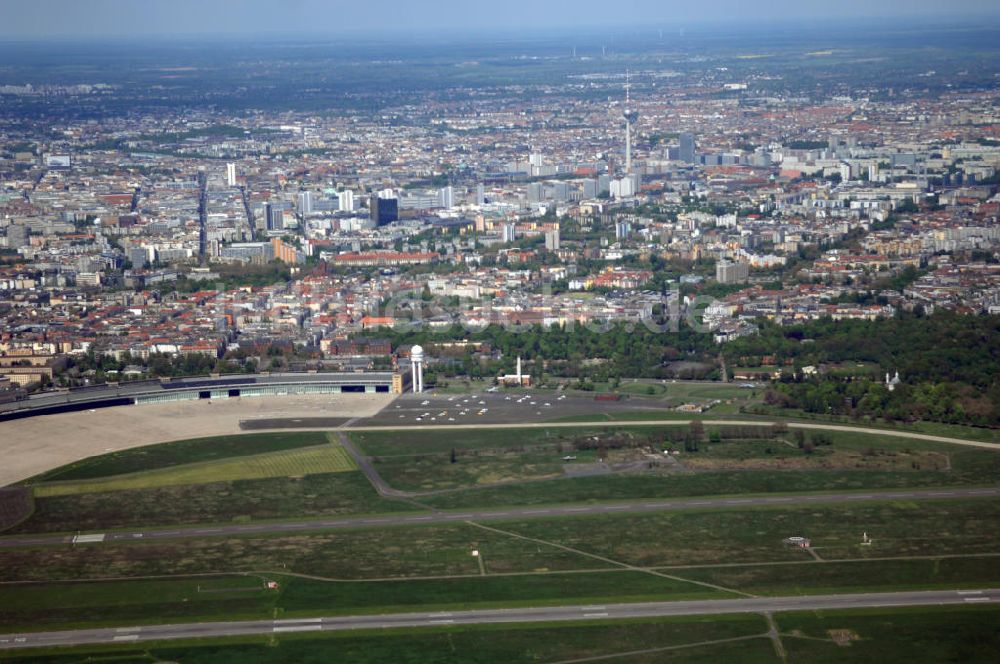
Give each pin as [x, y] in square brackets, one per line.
[501, 514]
[144, 634]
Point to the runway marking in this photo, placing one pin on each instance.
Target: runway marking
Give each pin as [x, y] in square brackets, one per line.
[127, 637]
[89, 539]
[596, 615]
[299, 628]
[296, 621]
[977, 599]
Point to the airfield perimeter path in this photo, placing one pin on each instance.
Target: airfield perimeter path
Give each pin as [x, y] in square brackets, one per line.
[575, 613]
[668, 423]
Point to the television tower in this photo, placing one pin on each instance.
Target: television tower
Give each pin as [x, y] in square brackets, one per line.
[202, 217]
[631, 116]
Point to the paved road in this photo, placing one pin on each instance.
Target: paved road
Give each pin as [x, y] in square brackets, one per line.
[365, 464]
[539, 512]
[498, 616]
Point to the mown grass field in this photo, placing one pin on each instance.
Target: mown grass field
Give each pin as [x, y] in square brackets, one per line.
[181, 452]
[813, 577]
[751, 538]
[42, 606]
[239, 501]
[532, 462]
[664, 556]
[326, 458]
[927, 634]
[755, 534]
[33, 607]
[207, 480]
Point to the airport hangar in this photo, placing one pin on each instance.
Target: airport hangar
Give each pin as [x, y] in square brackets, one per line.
[206, 387]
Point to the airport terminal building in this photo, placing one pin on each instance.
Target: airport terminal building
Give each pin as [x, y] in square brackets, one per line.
[206, 387]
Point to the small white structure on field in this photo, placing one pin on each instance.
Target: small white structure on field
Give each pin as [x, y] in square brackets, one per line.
[865, 540]
[518, 379]
[891, 383]
[800, 542]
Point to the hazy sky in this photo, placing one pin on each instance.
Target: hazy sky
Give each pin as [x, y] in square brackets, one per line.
[31, 19]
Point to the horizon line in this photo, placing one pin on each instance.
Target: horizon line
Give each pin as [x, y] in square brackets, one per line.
[688, 29]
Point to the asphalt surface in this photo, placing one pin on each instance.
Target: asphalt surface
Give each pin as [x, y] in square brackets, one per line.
[429, 408]
[504, 514]
[498, 616]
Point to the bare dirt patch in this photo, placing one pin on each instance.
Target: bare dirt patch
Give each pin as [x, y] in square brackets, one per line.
[843, 637]
[16, 504]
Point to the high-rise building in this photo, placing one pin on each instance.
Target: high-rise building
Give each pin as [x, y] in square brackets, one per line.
[346, 200]
[622, 230]
[536, 192]
[552, 240]
[560, 191]
[603, 184]
[231, 175]
[383, 210]
[509, 232]
[286, 253]
[625, 187]
[274, 217]
[727, 272]
[686, 150]
[305, 202]
[447, 197]
[18, 236]
[480, 195]
[138, 256]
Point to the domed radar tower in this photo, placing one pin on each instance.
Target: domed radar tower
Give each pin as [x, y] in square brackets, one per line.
[417, 367]
[631, 115]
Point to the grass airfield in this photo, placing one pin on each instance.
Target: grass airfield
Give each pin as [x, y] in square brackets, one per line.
[709, 553]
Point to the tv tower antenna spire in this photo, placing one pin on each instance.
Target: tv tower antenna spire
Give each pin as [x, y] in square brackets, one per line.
[631, 116]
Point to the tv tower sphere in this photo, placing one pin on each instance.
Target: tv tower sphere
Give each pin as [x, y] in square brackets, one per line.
[629, 112]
